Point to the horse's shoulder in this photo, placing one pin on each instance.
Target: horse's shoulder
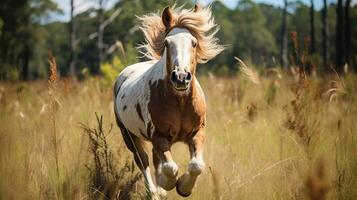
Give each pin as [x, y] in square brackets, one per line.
[199, 101]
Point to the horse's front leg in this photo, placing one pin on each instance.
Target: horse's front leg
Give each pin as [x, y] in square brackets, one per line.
[166, 168]
[187, 181]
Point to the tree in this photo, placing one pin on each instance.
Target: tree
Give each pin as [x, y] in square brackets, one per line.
[253, 41]
[284, 39]
[100, 36]
[347, 32]
[312, 28]
[21, 34]
[325, 36]
[72, 41]
[339, 37]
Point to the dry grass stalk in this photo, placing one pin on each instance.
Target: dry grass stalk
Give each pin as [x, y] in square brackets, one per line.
[266, 169]
[316, 182]
[294, 58]
[250, 73]
[105, 181]
[54, 104]
[299, 118]
[252, 111]
[302, 113]
[338, 87]
[215, 180]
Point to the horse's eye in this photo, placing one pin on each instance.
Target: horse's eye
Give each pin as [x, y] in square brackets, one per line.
[194, 44]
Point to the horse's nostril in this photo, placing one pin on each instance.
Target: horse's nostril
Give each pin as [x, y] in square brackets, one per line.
[173, 76]
[188, 76]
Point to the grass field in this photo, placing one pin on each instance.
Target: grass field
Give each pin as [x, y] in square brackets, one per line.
[274, 139]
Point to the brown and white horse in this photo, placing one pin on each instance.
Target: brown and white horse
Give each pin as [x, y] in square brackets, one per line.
[161, 100]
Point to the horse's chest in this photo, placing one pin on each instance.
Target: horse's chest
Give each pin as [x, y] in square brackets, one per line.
[175, 116]
[177, 124]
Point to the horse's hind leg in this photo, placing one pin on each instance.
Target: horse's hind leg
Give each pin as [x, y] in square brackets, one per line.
[187, 181]
[136, 146]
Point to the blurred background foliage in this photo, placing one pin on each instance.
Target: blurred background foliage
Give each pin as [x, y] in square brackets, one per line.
[250, 31]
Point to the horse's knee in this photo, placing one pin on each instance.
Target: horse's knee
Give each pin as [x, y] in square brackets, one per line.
[196, 167]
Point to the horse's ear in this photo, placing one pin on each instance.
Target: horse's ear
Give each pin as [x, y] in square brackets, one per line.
[167, 18]
[197, 8]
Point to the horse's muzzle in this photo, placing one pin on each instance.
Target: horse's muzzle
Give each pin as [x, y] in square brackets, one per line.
[181, 80]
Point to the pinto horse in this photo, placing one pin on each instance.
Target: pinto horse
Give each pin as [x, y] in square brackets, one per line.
[161, 101]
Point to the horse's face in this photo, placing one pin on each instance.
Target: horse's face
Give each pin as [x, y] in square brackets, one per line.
[180, 48]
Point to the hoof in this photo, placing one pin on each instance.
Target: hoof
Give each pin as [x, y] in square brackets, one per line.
[178, 190]
[166, 182]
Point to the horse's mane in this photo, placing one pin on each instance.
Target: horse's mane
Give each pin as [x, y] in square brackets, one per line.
[200, 23]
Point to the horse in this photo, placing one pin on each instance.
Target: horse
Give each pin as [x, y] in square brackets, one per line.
[161, 101]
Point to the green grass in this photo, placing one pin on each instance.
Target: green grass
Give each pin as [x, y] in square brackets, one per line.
[259, 146]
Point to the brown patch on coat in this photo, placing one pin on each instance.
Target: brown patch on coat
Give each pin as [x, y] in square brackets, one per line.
[138, 110]
[168, 61]
[176, 116]
[124, 108]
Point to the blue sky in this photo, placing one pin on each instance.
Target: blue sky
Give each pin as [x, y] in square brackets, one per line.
[85, 4]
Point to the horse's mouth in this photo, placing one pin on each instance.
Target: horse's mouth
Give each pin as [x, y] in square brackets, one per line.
[181, 86]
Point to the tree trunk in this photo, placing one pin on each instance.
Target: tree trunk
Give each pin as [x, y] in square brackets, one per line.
[100, 45]
[339, 37]
[347, 32]
[25, 62]
[284, 41]
[312, 28]
[325, 36]
[72, 43]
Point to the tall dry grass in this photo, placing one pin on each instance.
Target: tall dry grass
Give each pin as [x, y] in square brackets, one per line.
[264, 141]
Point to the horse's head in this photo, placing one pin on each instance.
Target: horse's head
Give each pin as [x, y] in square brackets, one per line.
[180, 51]
[183, 38]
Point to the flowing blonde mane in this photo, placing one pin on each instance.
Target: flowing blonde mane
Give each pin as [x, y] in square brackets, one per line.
[200, 23]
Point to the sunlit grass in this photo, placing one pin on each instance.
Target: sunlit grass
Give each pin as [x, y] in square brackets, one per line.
[250, 153]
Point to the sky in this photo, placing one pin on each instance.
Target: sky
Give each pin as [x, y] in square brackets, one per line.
[83, 5]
